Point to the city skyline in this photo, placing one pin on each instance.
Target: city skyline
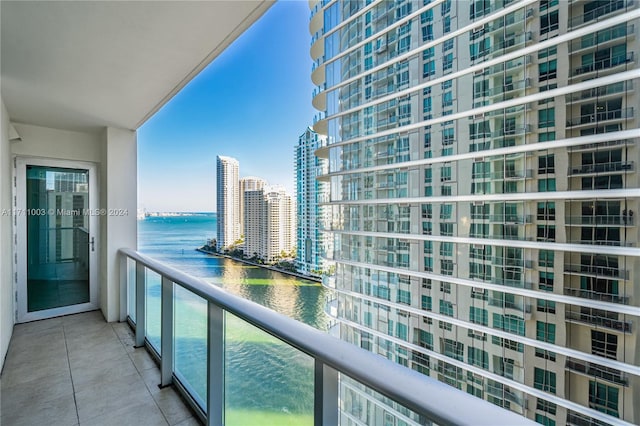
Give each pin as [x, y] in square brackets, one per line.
[252, 215]
[249, 103]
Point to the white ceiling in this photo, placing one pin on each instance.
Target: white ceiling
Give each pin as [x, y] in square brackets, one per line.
[83, 65]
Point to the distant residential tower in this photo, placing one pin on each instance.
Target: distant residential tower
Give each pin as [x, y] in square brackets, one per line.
[249, 183]
[227, 201]
[309, 194]
[269, 223]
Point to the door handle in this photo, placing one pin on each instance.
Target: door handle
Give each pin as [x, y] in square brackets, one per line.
[92, 244]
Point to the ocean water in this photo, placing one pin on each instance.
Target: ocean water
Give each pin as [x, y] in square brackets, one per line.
[267, 382]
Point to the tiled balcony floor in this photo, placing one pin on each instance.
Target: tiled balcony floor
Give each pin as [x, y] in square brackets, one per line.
[81, 370]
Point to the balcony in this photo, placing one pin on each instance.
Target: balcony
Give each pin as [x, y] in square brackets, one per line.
[518, 283]
[510, 43]
[601, 92]
[595, 370]
[519, 219]
[610, 167]
[600, 145]
[331, 306]
[511, 131]
[319, 117]
[508, 89]
[511, 262]
[596, 295]
[519, 18]
[599, 117]
[594, 270]
[512, 308]
[512, 174]
[599, 13]
[598, 321]
[602, 220]
[610, 243]
[602, 65]
[81, 369]
[604, 38]
[166, 303]
[577, 419]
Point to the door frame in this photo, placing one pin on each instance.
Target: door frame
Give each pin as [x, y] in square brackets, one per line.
[20, 238]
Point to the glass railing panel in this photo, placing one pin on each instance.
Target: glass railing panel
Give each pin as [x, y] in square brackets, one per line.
[131, 289]
[190, 343]
[153, 286]
[360, 404]
[267, 382]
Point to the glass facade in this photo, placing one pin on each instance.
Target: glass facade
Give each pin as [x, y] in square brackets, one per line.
[481, 165]
[310, 193]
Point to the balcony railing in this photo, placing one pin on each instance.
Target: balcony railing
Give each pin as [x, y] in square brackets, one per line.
[512, 174]
[603, 64]
[317, 63]
[610, 167]
[520, 308]
[596, 295]
[599, 321]
[605, 271]
[617, 114]
[600, 92]
[616, 220]
[594, 370]
[184, 300]
[601, 38]
[508, 88]
[612, 243]
[511, 218]
[514, 40]
[599, 12]
[519, 17]
[511, 262]
[319, 89]
[577, 419]
[592, 146]
[317, 35]
[318, 117]
[510, 131]
[521, 283]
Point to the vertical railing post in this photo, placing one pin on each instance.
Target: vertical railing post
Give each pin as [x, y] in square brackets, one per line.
[215, 365]
[124, 286]
[166, 319]
[140, 305]
[326, 395]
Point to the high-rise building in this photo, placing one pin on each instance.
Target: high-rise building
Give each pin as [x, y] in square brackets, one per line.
[253, 220]
[309, 194]
[249, 183]
[227, 201]
[482, 168]
[269, 223]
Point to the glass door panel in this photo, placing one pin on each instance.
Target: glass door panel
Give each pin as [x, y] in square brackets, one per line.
[58, 242]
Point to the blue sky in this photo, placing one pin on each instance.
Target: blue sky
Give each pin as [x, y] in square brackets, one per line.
[251, 103]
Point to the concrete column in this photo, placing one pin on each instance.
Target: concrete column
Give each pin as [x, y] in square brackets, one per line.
[118, 187]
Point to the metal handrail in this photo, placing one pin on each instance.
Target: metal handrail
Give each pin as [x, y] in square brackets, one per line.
[435, 400]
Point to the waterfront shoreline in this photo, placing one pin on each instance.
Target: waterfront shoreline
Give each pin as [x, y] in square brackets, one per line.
[271, 268]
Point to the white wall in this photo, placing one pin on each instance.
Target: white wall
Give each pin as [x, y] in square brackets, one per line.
[60, 144]
[119, 191]
[6, 268]
[115, 153]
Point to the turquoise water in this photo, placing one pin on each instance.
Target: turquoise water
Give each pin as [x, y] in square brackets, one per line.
[266, 381]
